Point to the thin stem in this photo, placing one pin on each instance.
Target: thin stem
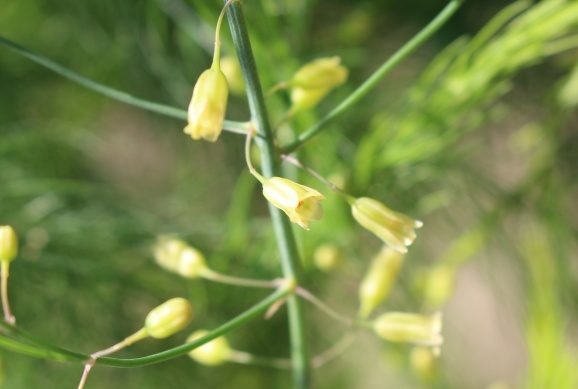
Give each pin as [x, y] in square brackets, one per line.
[374, 79]
[270, 165]
[563, 44]
[228, 125]
[226, 279]
[250, 359]
[217, 54]
[8, 317]
[324, 307]
[139, 335]
[244, 317]
[84, 377]
[252, 170]
[298, 163]
[334, 351]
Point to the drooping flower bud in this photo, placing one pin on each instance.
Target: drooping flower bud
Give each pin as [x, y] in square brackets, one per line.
[299, 202]
[327, 257]
[212, 353]
[169, 318]
[315, 80]
[178, 257]
[320, 73]
[423, 362]
[409, 327]
[8, 244]
[379, 279]
[393, 228]
[439, 285]
[208, 105]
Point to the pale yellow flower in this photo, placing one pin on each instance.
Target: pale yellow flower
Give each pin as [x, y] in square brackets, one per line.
[208, 105]
[410, 327]
[393, 228]
[299, 202]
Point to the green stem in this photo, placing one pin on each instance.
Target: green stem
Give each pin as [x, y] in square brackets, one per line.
[214, 276]
[5, 270]
[110, 92]
[270, 166]
[374, 79]
[44, 350]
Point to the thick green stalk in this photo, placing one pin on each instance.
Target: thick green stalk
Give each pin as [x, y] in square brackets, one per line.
[270, 166]
[374, 79]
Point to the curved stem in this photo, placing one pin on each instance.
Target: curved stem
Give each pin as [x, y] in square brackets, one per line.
[115, 94]
[335, 350]
[324, 307]
[5, 270]
[244, 317]
[269, 166]
[211, 275]
[374, 79]
[250, 359]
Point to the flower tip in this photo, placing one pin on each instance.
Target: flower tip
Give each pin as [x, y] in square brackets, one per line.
[417, 224]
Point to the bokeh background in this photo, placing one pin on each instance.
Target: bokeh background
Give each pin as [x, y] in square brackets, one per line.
[475, 134]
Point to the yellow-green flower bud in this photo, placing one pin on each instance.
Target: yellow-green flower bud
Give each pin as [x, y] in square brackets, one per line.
[326, 73]
[299, 202]
[8, 243]
[439, 285]
[208, 105]
[327, 257]
[423, 362]
[393, 228]
[232, 70]
[378, 281]
[178, 257]
[409, 327]
[169, 318]
[212, 353]
[315, 80]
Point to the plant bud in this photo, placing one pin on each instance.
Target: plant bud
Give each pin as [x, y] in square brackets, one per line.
[423, 362]
[208, 106]
[439, 285]
[168, 318]
[212, 353]
[325, 73]
[178, 257]
[378, 281]
[315, 80]
[409, 327]
[393, 228]
[8, 243]
[299, 202]
[327, 257]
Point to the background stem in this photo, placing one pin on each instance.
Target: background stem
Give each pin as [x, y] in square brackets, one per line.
[270, 166]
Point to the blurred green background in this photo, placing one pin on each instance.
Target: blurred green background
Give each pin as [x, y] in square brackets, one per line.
[475, 134]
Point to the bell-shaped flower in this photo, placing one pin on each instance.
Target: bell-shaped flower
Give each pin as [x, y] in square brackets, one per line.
[418, 329]
[299, 202]
[208, 105]
[320, 73]
[393, 228]
[8, 244]
[178, 257]
[379, 279]
[169, 318]
[212, 353]
[315, 80]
